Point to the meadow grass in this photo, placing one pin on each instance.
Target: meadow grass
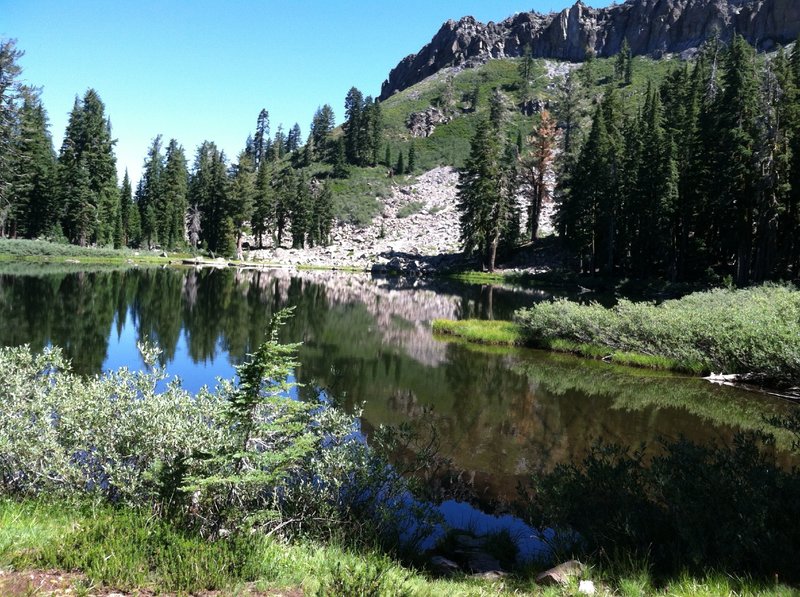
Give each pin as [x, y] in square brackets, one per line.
[132, 550]
[481, 331]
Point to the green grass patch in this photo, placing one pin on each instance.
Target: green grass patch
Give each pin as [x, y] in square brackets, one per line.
[409, 209]
[481, 331]
[42, 251]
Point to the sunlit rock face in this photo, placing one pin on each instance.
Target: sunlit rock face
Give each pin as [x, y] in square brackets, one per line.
[652, 27]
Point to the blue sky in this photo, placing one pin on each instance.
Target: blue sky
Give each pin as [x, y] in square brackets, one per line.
[196, 69]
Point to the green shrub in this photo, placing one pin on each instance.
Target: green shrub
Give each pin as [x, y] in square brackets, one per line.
[243, 457]
[752, 332]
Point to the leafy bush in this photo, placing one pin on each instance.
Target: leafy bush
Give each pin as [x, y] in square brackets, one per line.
[245, 456]
[694, 507]
[753, 331]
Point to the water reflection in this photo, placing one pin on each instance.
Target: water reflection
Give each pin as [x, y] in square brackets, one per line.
[500, 415]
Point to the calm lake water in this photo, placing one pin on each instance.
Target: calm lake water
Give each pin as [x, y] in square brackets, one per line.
[500, 415]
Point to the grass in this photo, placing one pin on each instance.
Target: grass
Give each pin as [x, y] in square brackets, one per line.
[134, 551]
[23, 250]
[509, 333]
[409, 209]
[481, 331]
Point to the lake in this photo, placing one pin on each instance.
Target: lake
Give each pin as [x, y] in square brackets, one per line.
[495, 415]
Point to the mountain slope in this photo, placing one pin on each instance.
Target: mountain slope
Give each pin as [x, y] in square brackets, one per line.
[651, 27]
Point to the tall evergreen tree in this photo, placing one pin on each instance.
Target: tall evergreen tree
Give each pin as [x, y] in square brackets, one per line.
[175, 188]
[241, 194]
[354, 123]
[150, 193]
[484, 200]
[293, 139]
[88, 146]
[261, 138]
[536, 167]
[321, 128]
[208, 191]
[412, 158]
[263, 220]
[35, 212]
[9, 87]
[738, 111]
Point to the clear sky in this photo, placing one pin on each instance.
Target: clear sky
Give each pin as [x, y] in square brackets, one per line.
[197, 69]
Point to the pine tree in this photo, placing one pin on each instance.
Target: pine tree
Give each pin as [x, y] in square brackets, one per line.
[354, 123]
[321, 128]
[9, 87]
[622, 64]
[150, 194]
[263, 204]
[400, 167]
[738, 135]
[484, 200]
[125, 208]
[88, 145]
[412, 159]
[300, 212]
[208, 191]
[241, 193]
[293, 139]
[171, 209]
[387, 156]
[321, 216]
[536, 166]
[525, 70]
[261, 138]
[35, 211]
[340, 159]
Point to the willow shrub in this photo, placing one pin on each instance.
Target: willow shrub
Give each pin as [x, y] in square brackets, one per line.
[241, 457]
[753, 331]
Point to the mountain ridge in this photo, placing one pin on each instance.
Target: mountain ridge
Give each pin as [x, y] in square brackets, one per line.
[651, 27]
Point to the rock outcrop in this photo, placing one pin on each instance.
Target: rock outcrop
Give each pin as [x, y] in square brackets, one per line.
[652, 27]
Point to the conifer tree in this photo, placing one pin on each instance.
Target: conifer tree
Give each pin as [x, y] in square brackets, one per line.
[171, 209]
[293, 139]
[263, 203]
[400, 167]
[536, 166]
[125, 208]
[340, 159]
[150, 194]
[321, 217]
[241, 193]
[484, 199]
[738, 111]
[34, 212]
[88, 146]
[300, 212]
[321, 128]
[9, 74]
[412, 159]
[353, 126]
[261, 138]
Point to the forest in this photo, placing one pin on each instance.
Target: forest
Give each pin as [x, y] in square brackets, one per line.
[696, 179]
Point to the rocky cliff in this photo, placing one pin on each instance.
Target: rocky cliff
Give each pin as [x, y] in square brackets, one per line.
[651, 27]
